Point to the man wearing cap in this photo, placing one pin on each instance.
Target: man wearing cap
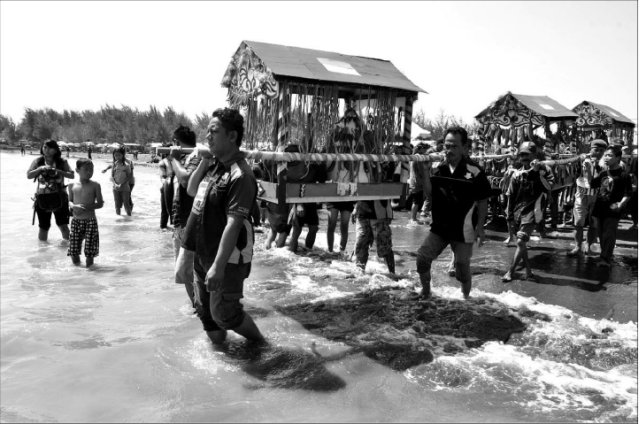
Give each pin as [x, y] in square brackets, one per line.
[460, 190]
[526, 192]
[585, 198]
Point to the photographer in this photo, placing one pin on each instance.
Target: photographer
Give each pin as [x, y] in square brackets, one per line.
[50, 170]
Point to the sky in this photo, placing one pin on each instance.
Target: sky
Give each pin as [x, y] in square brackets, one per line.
[84, 55]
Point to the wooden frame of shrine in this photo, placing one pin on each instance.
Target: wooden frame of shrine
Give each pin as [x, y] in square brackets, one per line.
[513, 118]
[334, 108]
[594, 117]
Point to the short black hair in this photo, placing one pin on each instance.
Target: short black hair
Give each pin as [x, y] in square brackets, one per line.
[184, 135]
[615, 149]
[83, 162]
[231, 120]
[457, 130]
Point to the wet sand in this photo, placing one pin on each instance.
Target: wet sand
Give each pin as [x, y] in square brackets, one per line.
[576, 283]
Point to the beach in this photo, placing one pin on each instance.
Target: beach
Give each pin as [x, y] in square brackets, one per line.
[119, 342]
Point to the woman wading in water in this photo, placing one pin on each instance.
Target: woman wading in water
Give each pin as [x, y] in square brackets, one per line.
[50, 170]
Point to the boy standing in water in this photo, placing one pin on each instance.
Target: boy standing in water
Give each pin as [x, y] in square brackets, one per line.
[85, 197]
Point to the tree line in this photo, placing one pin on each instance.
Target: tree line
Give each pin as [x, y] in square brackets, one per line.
[108, 125]
[439, 124]
[127, 125]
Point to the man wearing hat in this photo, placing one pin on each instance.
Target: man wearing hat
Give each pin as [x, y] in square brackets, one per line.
[585, 198]
[525, 194]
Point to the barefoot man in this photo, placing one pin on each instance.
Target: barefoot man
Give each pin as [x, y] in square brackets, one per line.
[525, 193]
[219, 230]
[459, 189]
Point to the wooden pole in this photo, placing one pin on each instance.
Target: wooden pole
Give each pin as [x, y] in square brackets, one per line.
[408, 113]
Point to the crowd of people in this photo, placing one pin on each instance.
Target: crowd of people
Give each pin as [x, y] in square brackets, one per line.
[210, 197]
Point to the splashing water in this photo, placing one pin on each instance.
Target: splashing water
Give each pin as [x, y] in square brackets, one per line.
[119, 342]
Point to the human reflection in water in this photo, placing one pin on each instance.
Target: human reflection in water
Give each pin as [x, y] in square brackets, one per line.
[282, 367]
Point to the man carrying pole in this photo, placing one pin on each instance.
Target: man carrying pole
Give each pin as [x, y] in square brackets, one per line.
[460, 190]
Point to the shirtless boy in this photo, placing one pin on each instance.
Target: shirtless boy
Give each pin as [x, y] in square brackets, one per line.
[85, 197]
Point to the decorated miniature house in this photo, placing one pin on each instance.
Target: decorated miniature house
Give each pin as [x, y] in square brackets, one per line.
[341, 112]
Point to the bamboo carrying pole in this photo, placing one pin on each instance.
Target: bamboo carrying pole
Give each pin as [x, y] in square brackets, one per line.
[350, 157]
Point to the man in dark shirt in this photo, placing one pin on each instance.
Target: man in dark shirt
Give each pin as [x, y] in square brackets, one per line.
[614, 190]
[183, 166]
[460, 190]
[525, 206]
[219, 229]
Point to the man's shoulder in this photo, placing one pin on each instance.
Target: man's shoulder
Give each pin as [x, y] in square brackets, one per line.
[473, 167]
[442, 166]
[87, 185]
[240, 169]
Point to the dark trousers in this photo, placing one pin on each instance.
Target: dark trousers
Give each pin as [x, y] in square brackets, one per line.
[166, 201]
[607, 231]
[220, 307]
[632, 206]
[553, 208]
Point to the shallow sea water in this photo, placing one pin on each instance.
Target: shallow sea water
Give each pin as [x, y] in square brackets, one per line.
[118, 342]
